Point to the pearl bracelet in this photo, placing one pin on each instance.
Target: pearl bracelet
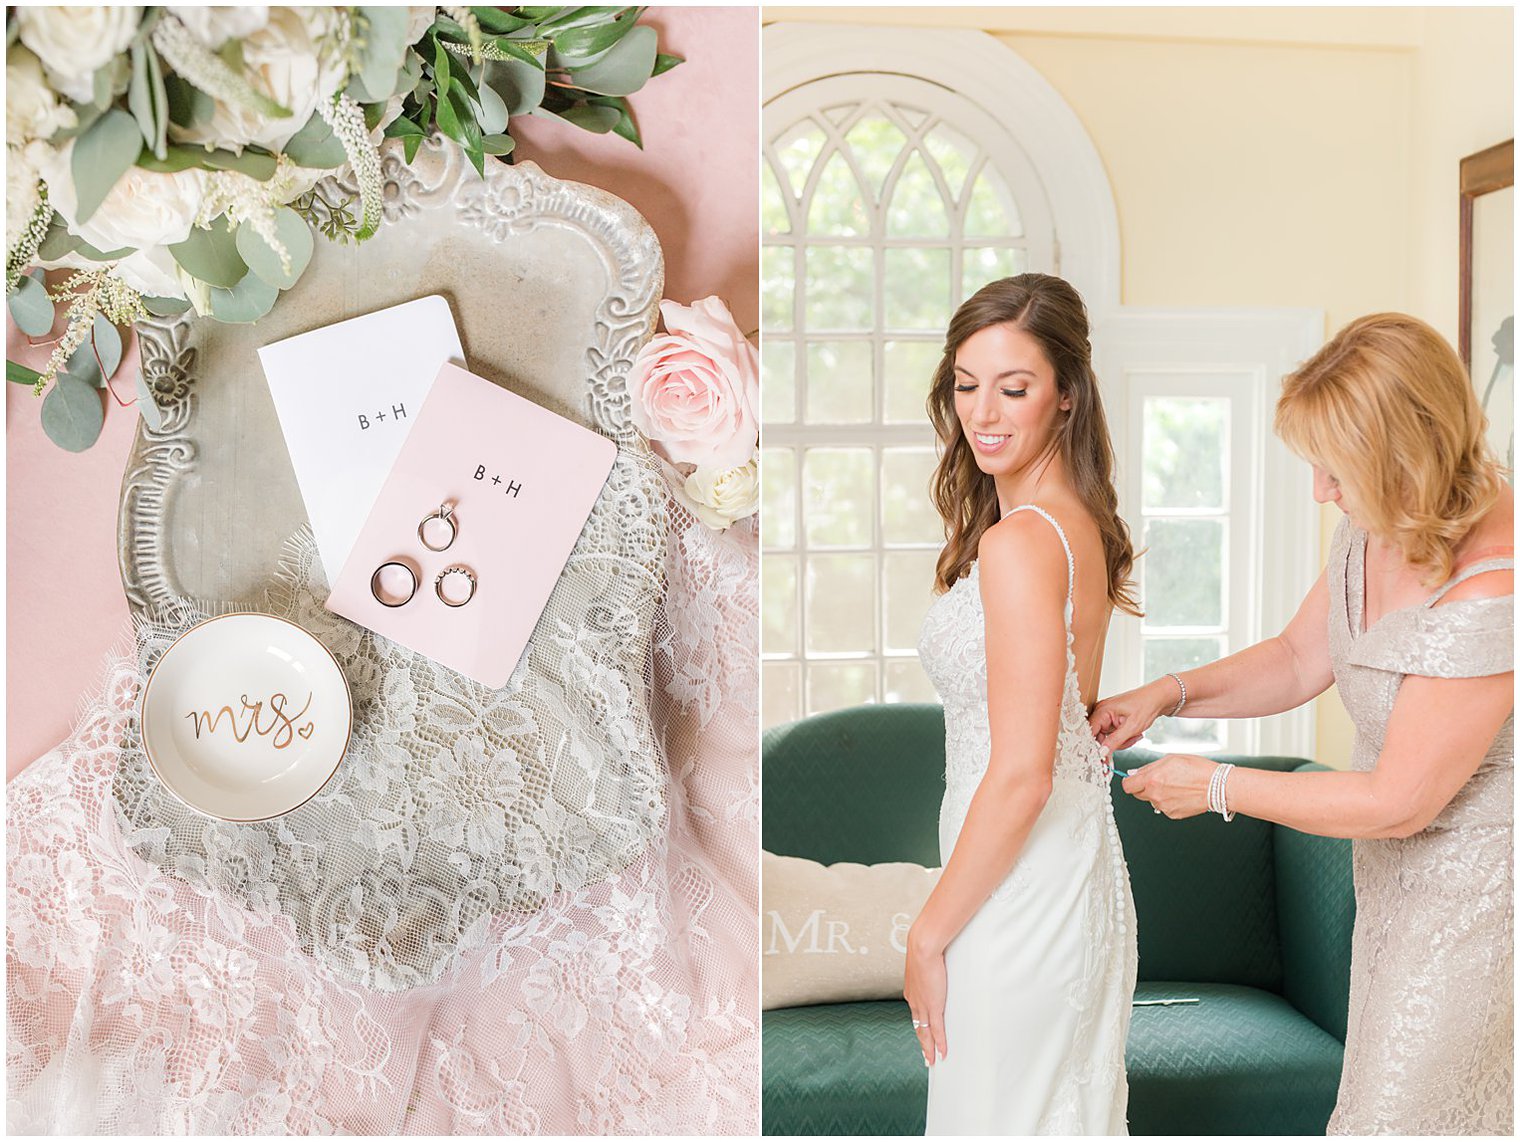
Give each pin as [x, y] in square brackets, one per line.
[1182, 701]
[1217, 801]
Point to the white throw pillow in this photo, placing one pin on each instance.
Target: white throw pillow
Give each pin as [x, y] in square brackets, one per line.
[836, 933]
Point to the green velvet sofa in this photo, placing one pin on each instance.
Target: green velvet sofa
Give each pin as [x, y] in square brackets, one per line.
[1252, 919]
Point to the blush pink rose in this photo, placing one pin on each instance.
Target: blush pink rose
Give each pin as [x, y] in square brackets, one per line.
[695, 389]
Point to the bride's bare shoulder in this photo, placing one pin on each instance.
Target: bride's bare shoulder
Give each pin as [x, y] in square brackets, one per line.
[1022, 553]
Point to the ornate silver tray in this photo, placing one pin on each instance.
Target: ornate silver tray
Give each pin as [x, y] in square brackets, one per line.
[457, 804]
[554, 286]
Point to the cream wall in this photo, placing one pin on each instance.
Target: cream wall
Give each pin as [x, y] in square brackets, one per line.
[1264, 157]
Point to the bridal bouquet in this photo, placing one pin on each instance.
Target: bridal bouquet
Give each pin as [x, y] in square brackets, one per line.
[171, 158]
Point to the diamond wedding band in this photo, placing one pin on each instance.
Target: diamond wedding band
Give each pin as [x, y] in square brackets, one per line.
[457, 569]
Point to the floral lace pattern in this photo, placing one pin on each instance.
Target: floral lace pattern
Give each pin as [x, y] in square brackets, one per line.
[1019, 946]
[518, 911]
[1430, 1034]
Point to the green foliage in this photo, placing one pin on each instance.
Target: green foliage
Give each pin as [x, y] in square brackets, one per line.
[30, 306]
[72, 413]
[315, 146]
[101, 156]
[245, 302]
[148, 99]
[211, 255]
[293, 233]
[19, 374]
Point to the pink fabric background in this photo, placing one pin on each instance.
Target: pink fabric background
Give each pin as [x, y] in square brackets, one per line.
[696, 181]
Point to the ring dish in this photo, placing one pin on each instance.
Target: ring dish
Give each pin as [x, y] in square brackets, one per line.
[246, 717]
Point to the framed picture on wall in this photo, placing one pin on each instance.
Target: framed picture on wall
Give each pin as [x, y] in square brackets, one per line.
[1487, 291]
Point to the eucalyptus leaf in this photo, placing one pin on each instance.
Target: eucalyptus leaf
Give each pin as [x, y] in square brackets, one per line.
[101, 156]
[411, 72]
[211, 255]
[166, 306]
[497, 144]
[245, 302]
[315, 146]
[189, 106]
[663, 63]
[85, 114]
[293, 233]
[493, 111]
[21, 375]
[520, 85]
[82, 366]
[626, 66]
[73, 413]
[57, 242]
[598, 120]
[30, 305]
[147, 406]
[254, 163]
[384, 48]
[107, 340]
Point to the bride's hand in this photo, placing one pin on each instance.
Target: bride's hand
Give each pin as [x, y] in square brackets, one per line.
[1177, 784]
[924, 989]
[1120, 721]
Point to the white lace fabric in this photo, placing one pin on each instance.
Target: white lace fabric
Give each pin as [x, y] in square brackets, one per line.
[519, 911]
[1039, 981]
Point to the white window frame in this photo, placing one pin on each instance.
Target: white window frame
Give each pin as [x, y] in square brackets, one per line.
[1276, 524]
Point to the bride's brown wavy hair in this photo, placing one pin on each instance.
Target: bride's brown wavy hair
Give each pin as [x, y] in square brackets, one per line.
[1050, 311]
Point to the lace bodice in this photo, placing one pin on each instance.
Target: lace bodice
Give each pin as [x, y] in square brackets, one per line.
[953, 649]
[1430, 1030]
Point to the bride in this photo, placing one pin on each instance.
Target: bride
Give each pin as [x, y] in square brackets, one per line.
[1021, 966]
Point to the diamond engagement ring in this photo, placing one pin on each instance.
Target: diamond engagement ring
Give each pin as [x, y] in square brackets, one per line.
[445, 516]
[444, 575]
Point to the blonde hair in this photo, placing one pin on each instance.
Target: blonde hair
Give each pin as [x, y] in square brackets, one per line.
[1050, 311]
[1387, 408]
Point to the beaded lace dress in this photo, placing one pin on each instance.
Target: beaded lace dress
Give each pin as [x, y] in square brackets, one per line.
[516, 911]
[1430, 1037]
[1041, 979]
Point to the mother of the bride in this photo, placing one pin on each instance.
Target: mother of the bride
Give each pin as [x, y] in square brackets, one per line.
[1413, 620]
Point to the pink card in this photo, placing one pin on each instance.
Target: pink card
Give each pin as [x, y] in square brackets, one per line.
[521, 481]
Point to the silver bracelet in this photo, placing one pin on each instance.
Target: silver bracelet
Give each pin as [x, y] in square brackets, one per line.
[1182, 701]
[1218, 802]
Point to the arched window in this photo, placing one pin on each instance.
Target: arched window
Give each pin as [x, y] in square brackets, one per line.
[887, 199]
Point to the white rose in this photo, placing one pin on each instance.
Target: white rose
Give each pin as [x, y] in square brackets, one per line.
[145, 208]
[152, 272]
[21, 196]
[32, 111]
[725, 495]
[214, 26]
[419, 20]
[283, 61]
[73, 43]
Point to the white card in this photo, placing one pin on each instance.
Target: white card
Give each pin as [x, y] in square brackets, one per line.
[346, 396]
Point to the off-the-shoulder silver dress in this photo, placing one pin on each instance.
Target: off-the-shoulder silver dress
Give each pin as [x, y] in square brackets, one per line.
[1430, 1039]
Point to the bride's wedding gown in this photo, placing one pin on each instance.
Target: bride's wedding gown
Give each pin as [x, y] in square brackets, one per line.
[1041, 978]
